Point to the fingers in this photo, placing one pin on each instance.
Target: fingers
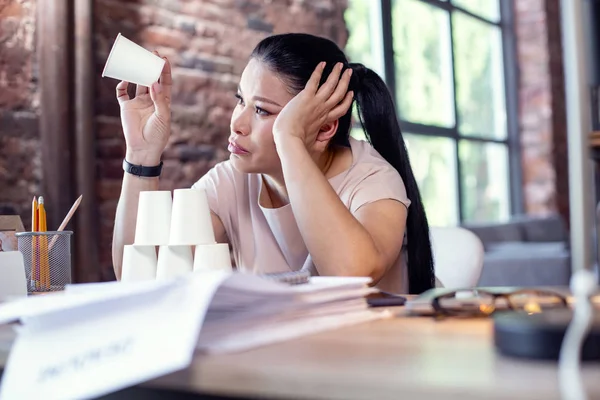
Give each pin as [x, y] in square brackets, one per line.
[341, 89]
[160, 92]
[122, 95]
[313, 83]
[326, 90]
[139, 90]
[166, 79]
[161, 105]
[341, 109]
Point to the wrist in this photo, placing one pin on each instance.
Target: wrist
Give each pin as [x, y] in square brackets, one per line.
[287, 140]
[145, 158]
[292, 152]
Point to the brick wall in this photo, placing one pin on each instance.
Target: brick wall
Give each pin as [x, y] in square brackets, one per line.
[207, 42]
[20, 152]
[542, 108]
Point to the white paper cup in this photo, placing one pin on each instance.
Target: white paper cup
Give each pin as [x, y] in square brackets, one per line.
[139, 263]
[190, 221]
[130, 62]
[153, 218]
[212, 256]
[174, 261]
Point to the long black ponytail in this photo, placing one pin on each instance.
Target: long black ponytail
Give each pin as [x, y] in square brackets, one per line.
[378, 118]
[294, 56]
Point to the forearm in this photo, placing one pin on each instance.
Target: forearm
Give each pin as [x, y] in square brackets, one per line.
[126, 215]
[336, 240]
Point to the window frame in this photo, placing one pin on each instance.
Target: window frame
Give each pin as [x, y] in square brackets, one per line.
[510, 69]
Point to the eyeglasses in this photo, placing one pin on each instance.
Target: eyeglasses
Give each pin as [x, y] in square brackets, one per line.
[482, 303]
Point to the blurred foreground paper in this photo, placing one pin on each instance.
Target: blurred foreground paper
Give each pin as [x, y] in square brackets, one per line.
[95, 339]
[99, 347]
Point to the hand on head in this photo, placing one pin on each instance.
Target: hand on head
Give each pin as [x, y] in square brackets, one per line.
[312, 115]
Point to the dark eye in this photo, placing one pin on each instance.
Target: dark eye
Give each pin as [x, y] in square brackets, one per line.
[240, 100]
[260, 111]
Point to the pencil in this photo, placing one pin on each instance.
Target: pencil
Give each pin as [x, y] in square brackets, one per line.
[74, 207]
[33, 214]
[34, 248]
[68, 217]
[44, 261]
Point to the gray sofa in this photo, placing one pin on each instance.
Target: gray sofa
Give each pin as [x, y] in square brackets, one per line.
[526, 251]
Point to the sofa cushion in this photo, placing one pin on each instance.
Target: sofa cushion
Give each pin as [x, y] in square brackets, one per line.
[527, 250]
[536, 270]
[526, 264]
[502, 232]
[548, 229]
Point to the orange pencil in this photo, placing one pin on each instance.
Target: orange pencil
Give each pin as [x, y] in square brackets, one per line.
[44, 261]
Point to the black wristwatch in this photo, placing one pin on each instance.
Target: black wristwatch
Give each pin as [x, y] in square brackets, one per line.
[140, 170]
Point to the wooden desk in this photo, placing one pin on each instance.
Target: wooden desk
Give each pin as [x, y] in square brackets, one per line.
[401, 358]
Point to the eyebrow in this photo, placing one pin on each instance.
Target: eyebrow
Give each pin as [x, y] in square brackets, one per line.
[263, 99]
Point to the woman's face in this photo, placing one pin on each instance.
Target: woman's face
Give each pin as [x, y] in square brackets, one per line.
[261, 96]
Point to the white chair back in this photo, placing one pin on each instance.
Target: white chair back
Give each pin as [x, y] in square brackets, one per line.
[458, 256]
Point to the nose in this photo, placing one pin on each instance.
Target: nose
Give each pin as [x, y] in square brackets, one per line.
[240, 122]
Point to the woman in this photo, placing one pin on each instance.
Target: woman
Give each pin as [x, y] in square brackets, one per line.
[297, 191]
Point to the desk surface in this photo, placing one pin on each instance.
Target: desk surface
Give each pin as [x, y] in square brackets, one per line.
[385, 359]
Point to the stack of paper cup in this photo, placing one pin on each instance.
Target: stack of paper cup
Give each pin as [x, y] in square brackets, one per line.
[212, 256]
[174, 261]
[153, 222]
[174, 224]
[152, 229]
[191, 223]
[139, 263]
[130, 62]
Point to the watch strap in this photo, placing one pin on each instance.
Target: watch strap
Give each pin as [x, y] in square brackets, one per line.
[141, 170]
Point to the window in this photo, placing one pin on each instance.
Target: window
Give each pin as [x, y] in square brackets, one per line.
[450, 65]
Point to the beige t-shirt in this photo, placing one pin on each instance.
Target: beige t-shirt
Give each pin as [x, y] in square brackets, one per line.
[266, 240]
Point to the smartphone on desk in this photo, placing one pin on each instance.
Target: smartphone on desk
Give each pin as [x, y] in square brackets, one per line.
[385, 299]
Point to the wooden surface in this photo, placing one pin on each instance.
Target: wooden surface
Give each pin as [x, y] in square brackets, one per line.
[402, 358]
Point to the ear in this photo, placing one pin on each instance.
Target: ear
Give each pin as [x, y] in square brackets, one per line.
[327, 131]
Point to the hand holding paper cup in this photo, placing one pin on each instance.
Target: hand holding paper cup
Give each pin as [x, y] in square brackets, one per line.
[130, 62]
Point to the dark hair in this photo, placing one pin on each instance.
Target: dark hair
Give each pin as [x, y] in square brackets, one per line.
[294, 56]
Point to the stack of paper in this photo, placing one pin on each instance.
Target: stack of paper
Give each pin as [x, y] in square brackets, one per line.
[94, 339]
[248, 311]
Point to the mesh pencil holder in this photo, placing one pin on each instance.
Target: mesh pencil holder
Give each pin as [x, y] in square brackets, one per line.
[47, 257]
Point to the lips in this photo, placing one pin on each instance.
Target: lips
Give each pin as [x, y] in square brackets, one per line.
[237, 149]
